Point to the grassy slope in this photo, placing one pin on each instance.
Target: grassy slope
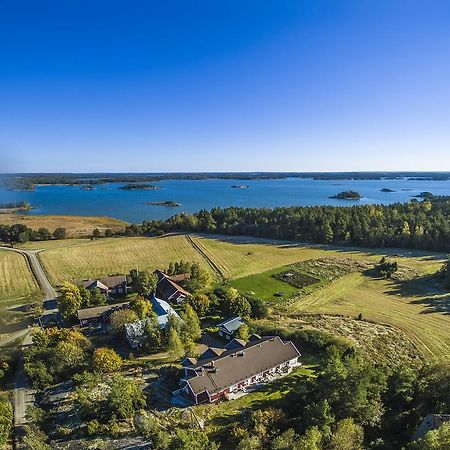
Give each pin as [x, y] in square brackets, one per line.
[76, 226]
[16, 279]
[116, 255]
[418, 307]
[239, 260]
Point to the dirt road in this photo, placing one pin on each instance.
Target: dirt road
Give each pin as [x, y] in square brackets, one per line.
[23, 394]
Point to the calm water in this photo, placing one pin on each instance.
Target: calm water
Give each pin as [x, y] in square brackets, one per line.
[108, 200]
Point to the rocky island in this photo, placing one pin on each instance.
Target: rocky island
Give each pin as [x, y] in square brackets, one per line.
[347, 195]
[166, 203]
[240, 186]
[387, 190]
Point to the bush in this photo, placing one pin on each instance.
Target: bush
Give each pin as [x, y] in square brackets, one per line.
[106, 360]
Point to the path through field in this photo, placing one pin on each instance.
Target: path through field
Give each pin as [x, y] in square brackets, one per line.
[23, 394]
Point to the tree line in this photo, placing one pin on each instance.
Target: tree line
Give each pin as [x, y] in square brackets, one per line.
[19, 233]
[419, 225]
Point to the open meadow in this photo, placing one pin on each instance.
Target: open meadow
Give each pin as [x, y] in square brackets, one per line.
[414, 303]
[76, 226]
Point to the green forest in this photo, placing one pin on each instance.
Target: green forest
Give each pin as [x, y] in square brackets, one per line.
[417, 225]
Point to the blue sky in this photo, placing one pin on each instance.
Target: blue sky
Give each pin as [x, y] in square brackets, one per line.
[154, 86]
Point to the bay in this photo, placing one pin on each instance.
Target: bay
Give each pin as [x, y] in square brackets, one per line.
[130, 205]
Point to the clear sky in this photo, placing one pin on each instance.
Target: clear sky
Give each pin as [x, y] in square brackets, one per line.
[232, 85]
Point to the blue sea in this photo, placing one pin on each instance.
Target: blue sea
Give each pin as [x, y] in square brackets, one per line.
[129, 205]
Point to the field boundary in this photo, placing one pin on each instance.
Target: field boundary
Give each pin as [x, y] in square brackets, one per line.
[209, 261]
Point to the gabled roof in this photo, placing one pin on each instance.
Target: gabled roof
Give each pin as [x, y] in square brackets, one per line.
[231, 325]
[188, 361]
[114, 281]
[167, 288]
[235, 366]
[94, 284]
[96, 312]
[236, 343]
[211, 352]
[135, 331]
[163, 310]
[105, 283]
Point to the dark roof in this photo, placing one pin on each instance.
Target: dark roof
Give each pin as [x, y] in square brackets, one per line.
[188, 361]
[180, 277]
[177, 278]
[166, 287]
[229, 368]
[114, 281]
[254, 337]
[211, 352]
[94, 284]
[236, 343]
[98, 311]
[105, 283]
[231, 325]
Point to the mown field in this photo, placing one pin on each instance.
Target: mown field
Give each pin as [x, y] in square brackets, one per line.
[416, 305]
[76, 226]
[16, 279]
[17, 288]
[88, 259]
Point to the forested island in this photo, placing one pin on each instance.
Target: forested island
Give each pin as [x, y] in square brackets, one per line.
[139, 187]
[387, 190]
[424, 195]
[347, 195]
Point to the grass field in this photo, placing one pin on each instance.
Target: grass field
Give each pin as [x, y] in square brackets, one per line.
[76, 226]
[264, 285]
[90, 259]
[16, 279]
[17, 287]
[417, 305]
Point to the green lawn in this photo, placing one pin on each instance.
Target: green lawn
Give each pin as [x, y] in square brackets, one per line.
[264, 285]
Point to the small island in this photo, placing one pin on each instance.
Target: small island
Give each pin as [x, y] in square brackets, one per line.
[347, 195]
[240, 186]
[424, 195]
[387, 190]
[14, 207]
[139, 187]
[87, 187]
[166, 203]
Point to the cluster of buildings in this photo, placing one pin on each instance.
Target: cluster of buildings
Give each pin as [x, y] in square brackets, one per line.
[226, 372]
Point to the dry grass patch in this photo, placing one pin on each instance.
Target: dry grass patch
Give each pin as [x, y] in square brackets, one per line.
[379, 343]
[76, 226]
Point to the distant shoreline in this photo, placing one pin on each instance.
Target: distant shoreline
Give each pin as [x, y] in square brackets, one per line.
[27, 181]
